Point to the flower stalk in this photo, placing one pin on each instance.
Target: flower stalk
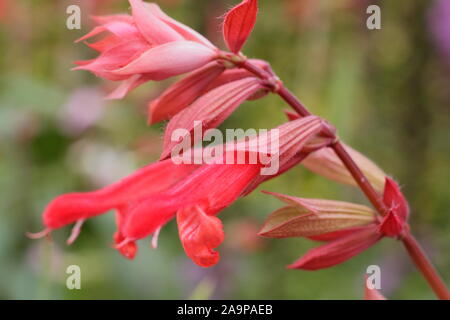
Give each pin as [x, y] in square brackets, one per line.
[425, 266]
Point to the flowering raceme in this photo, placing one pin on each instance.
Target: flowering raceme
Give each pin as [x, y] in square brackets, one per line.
[149, 45]
[148, 199]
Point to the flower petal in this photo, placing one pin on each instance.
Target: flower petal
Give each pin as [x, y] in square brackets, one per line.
[239, 23]
[126, 18]
[128, 250]
[169, 59]
[95, 31]
[200, 234]
[153, 29]
[213, 187]
[114, 58]
[149, 180]
[294, 136]
[182, 93]
[106, 43]
[186, 32]
[338, 251]
[209, 110]
[145, 217]
[121, 26]
[126, 86]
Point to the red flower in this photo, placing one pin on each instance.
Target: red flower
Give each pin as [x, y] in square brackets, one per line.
[347, 228]
[210, 110]
[146, 200]
[149, 45]
[188, 90]
[200, 233]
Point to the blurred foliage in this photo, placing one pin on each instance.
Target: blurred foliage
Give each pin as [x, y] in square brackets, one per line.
[385, 90]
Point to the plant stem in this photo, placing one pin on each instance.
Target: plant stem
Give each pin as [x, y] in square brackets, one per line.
[416, 253]
[338, 148]
[425, 266]
[340, 151]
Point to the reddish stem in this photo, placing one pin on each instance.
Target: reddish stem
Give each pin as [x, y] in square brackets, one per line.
[352, 167]
[292, 100]
[425, 266]
[416, 253]
[346, 159]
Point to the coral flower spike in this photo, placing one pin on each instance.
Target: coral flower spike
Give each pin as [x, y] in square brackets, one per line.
[193, 193]
[192, 184]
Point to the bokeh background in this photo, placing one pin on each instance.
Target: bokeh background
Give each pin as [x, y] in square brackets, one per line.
[387, 91]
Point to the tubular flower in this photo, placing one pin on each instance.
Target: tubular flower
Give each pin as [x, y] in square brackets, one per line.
[148, 45]
[186, 91]
[347, 228]
[193, 193]
[210, 110]
[145, 201]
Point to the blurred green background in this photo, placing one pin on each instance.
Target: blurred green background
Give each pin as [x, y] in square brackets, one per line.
[387, 91]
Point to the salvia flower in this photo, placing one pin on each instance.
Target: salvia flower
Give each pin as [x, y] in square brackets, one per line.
[184, 92]
[211, 109]
[148, 45]
[347, 228]
[148, 199]
[193, 193]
